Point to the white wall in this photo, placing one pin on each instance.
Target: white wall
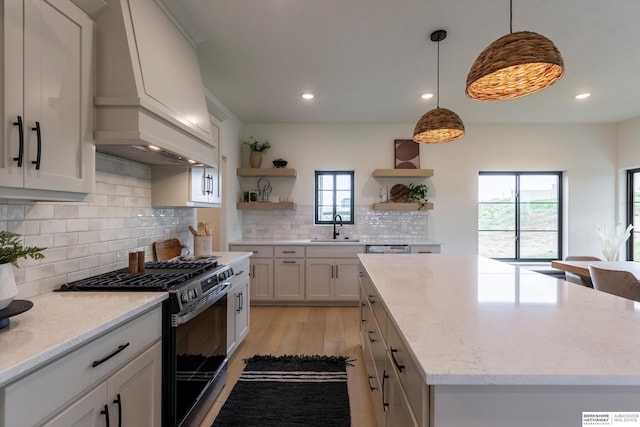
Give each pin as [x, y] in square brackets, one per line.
[587, 153]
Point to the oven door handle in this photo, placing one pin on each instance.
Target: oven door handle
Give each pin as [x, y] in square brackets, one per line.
[180, 319]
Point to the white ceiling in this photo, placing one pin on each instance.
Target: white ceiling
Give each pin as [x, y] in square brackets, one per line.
[369, 60]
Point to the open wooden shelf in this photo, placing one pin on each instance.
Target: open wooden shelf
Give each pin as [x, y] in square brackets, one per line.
[402, 173]
[390, 206]
[266, 206]
[270, 172]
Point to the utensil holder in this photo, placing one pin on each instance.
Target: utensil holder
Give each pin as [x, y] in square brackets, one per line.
[202, 246]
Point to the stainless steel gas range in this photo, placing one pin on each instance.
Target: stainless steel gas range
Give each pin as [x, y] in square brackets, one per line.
[194, 329]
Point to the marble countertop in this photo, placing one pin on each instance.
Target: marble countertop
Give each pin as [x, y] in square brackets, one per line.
[472, 320]
[62, 321]
[359, 242]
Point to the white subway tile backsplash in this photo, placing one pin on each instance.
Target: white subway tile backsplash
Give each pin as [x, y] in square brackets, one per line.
[369, 225]
[94, 236]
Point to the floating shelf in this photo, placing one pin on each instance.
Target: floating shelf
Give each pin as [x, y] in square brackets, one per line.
[266, 206]
[408, 173]
[390, 206]
[270, 172]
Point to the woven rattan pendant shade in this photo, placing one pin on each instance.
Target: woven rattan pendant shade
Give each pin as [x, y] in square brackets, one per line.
[440, 124]
[515, 65]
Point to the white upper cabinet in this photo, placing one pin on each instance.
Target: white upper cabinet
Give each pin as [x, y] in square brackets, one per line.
[47, 148]
[148, 86]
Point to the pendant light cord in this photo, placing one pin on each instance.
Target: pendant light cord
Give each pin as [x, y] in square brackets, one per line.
[438, 78]
[510, 16]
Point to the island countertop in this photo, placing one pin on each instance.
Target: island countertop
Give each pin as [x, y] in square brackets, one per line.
[471, 320]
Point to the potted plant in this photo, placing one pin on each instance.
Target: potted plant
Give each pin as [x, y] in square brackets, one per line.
[257, 148]
[11, 250]
[418, 194]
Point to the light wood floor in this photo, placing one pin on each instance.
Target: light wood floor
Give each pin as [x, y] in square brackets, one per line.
[305, 330]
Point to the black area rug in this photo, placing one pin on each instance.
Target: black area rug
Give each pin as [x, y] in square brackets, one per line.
[289, 391]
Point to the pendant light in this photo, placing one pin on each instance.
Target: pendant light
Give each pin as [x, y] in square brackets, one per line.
[515, 65]
[440, 124]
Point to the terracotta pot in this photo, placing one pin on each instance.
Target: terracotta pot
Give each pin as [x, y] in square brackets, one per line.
[255, 158]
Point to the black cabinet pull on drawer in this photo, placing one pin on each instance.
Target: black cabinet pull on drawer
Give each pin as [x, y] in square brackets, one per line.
[109, 356]
[395, 362]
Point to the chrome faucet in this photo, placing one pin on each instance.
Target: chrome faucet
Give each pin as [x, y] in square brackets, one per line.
[335, 232]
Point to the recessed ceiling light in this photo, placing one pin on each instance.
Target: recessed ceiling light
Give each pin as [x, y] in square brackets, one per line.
[307, 96]
[426, 96]
[583, 95]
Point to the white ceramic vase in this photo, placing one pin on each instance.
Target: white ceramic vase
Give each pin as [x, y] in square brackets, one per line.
[8, 289]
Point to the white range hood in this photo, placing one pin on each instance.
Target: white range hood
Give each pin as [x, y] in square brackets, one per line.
[149, 100]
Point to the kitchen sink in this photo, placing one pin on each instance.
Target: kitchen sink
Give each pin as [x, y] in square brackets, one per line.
[334, 240]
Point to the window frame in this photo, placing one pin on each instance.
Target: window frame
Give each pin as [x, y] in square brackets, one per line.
[351, 174]
[630, 212]
[517, 210]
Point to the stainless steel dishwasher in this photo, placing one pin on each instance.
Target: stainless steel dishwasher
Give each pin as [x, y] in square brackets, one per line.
[388, 249]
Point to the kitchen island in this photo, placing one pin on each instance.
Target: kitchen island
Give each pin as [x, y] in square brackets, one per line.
[496, 345]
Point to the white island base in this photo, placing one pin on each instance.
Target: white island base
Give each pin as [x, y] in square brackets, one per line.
[526, 405]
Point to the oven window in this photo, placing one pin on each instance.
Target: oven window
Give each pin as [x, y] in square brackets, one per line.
[201, 348]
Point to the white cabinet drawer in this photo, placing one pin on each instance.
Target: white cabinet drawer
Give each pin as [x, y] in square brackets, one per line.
[334, 251]
[289, 251]
[240, 271]
[257, 251]
[57, 384]
[425, 249]
[410, 377]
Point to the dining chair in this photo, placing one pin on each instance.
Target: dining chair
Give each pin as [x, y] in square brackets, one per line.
[617, 282]
[574, 278]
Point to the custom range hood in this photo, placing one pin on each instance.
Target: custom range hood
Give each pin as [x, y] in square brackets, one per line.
[149, 99]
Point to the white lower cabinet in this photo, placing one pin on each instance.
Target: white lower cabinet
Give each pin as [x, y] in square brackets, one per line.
[260, 271]
[303, 273]
[132, 396]
[124, 364]
[238, 301]
[329, 279]
[289, 279]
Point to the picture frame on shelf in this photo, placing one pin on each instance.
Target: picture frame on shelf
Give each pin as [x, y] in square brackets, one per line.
[407, 154]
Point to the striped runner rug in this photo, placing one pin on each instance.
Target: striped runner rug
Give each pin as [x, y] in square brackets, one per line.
[289, 391]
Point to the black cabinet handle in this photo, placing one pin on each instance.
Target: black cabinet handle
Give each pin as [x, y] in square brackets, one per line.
[288, 262]
[118, 402]
[332, 271]
[371, 339]
[384, 378]
[371, 299]
[109, 356]
[39, 139]
[337, 272]
[105, 412]
[21, 138]
[363, 320]
[289, 252]
[395, 362]
[238, 305]
[241, 300]
[371, 388]
[253, 275]
[239, 273]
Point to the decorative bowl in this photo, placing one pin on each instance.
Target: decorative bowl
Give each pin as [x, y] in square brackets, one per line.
[280, 163]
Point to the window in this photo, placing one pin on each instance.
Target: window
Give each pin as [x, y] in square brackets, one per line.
[334, 196]
[633, 214]
[520, 215]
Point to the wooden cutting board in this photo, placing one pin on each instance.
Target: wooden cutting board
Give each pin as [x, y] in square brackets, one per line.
[167, 249]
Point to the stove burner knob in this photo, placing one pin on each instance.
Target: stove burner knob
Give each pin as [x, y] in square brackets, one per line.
[184, 297]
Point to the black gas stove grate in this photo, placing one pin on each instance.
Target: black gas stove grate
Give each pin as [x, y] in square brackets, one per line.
[158, 276]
